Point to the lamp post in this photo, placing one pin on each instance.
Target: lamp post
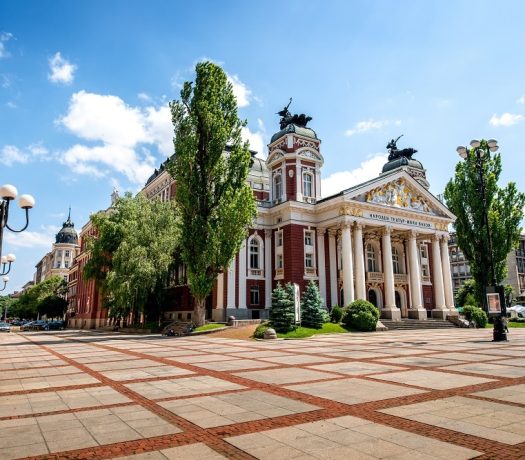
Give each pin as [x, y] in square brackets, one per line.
[482, 150]
[7, 194]
[5, 279]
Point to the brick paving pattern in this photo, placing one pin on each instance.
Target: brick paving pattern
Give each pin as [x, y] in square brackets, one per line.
[439, 394]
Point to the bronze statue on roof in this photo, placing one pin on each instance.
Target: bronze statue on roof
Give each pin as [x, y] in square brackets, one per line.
[394, 153]
[287, 118]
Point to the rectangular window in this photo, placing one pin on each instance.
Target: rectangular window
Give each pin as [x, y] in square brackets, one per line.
[66, 263]
[308, 240]
[59, 254]
[254, 295]
[279, 238]
[309, 260]
[67, 254]
[279, 263]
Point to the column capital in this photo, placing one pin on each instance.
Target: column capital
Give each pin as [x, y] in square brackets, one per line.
[321, 231]
[346, 224]
[332, 232]
[412, 234]
[268, 232]
[436, 237]
[445, 238]
[358, 225]
[387, 230]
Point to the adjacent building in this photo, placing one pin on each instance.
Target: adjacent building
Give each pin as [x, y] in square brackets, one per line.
[460, 267]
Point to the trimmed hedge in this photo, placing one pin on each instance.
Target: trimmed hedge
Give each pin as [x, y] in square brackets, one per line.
[475, 314]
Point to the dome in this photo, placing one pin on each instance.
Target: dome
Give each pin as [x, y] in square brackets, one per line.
[67, 234]
[413, 167]
[293, 128]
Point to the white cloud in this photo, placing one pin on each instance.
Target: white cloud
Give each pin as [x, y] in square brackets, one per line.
[6, 81]
[255, 138]
[62, 71]
[11, 105]
[11, 154]
[30, 239]
[368, 125]
[240, 91]
[342, 180]
[4, 37]
[122, 131]
[521, 100]
[38, 149]
[144, 97]
[506, 119]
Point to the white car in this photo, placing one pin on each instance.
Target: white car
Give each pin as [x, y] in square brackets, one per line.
[518, 309]
[5, 327]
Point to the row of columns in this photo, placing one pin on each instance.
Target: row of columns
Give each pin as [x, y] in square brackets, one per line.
[442, 281]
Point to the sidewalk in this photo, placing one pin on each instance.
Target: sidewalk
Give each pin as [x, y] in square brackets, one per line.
[449, 394]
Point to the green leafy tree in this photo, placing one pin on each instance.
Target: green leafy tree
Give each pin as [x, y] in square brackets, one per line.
[210, 166]
[28, 305]
[312, 311]
[468, 288]
[505, 212]
[282, 311]
[53, 306]
[7, 303]
[132, 254]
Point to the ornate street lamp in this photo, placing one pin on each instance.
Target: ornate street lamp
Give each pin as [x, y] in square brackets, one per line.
[5, 279]
[482, 150]
[7, 194]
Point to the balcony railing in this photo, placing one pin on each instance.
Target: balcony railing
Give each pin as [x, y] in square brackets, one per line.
[400, 278]
[425, 278]
[256, 272]
[376, 277]
[309, 271]
[279, 271]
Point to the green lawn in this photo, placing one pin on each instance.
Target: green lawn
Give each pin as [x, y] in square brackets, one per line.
[510, 324]
[208, 327]
[302, 332]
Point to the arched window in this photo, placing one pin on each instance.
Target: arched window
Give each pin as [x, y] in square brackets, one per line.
[307, 184]
[395, 261]
[278, 187]
[254, 253]
[371, 258]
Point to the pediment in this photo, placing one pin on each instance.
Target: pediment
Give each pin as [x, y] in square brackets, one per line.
[399, 191]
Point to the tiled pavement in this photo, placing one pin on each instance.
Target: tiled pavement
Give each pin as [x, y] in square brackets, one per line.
[449, 394]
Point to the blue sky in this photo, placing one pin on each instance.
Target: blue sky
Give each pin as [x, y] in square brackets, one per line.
[84, 88]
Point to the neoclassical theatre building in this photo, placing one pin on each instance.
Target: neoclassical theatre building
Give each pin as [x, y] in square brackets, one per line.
[384, 240]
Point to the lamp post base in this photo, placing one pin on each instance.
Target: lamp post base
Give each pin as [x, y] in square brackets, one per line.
[500, 330]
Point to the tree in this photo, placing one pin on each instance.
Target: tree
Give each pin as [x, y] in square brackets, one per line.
[28, 304]
[312, 311]
[505, 212]
[53, 306]
[7, 303]
[210, 166]
[282, 311]
[132, 255]
[468, 288]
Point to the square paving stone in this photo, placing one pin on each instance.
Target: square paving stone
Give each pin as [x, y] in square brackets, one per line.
[513, 393]
[345, 438]
[489, 369]
[354, 390]
[431, 379]
[494, 421]
[284, 376]
[198, 451]
[184, 386]
[211, 411]
[145, 373]
[355, 368]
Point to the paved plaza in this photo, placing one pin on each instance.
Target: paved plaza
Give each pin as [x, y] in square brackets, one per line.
[438, 394]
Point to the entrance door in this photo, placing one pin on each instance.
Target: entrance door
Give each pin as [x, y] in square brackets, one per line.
[398, 300]
[372, 297]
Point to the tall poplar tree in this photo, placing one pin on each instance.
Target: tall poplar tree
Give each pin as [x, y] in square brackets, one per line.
[215, 203]
[505, 212]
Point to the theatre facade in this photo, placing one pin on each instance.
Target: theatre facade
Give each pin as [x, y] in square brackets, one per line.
[384, 240]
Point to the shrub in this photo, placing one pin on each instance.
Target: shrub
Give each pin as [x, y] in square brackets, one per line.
[282, 311]
[260, 330]
[336, 314]
[312, 311]
[475, 314]
[361, 315]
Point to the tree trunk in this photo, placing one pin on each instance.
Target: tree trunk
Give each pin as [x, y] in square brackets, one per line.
[199, 313]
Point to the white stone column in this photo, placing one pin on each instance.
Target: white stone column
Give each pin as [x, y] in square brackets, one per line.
[242, 276]
[332, 253]
[220, 291]
[348, 275]
[268, 269]
[321, 269]
[359, 258]
[416, 311]
[447, 278]
[230, 294]
[390, 310]
[437, 281]
[298, 181]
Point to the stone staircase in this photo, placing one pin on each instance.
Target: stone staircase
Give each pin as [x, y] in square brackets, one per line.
[412, 324]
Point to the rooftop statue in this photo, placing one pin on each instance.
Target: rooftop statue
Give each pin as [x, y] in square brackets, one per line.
[287, 118]
[394, 153]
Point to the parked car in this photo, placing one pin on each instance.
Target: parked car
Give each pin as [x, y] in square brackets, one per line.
[519, 310]
[5, 327]
[55, 325]
[39, 325]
